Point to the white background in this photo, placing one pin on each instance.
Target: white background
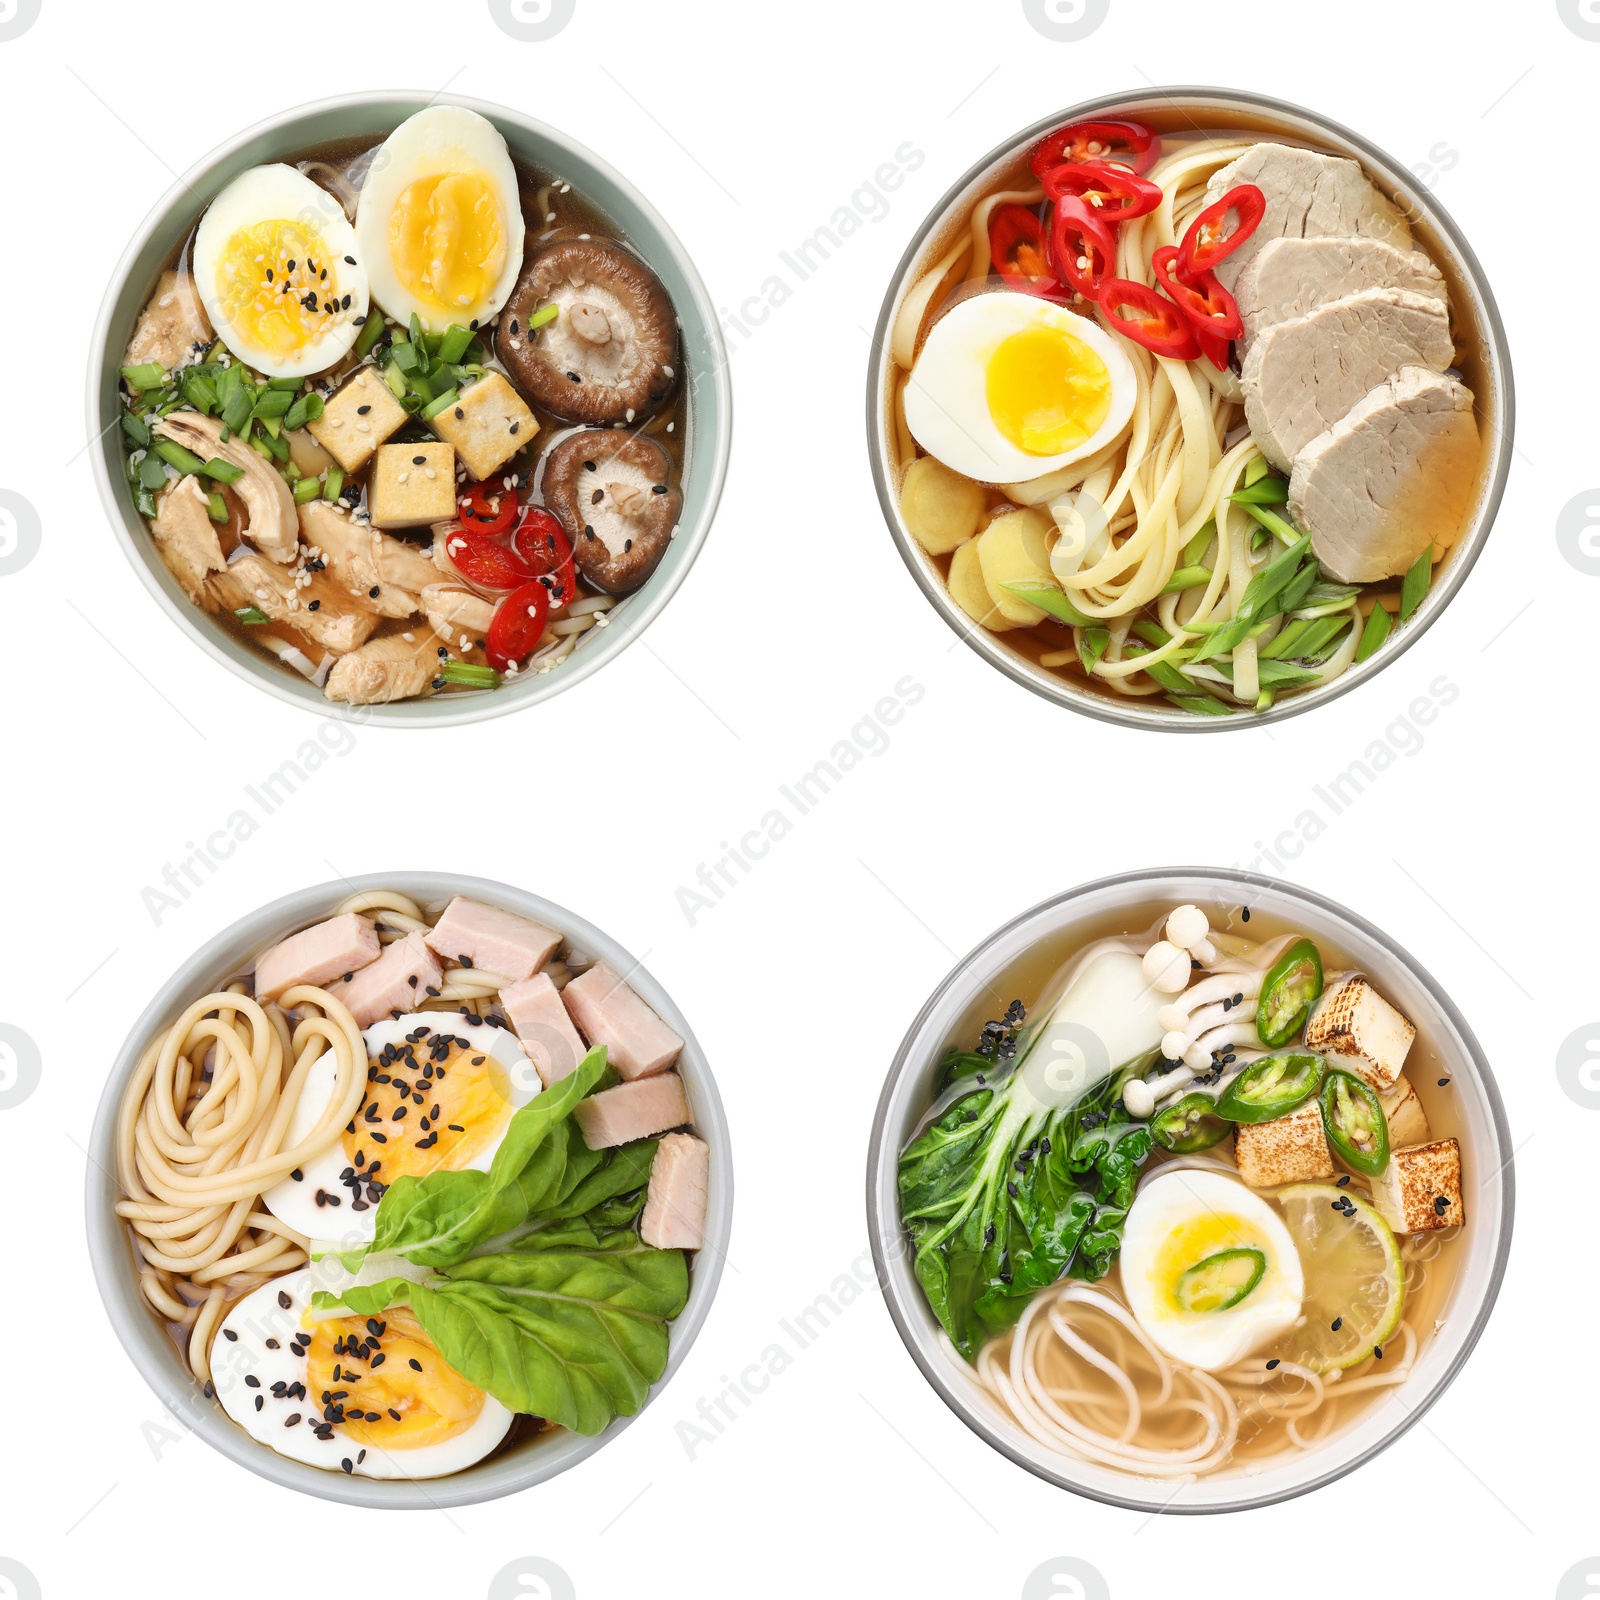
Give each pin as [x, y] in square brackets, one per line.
[749, 126]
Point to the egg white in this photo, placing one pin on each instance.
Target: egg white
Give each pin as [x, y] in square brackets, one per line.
[440, 139]
[1209, 1340]
[281, 193]
[294, 1201]
[261, 1316]
[947, 408]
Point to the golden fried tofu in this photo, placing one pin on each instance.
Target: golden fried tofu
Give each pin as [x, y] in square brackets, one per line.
[1291, 1149]
[1420, 1189]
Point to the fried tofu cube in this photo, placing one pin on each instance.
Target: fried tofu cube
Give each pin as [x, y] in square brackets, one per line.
[1355, 1026]
[1420, 1189]
[412, 485]
[487, 425]
[1402, 1110]
[357, 419]
[1291, 1149]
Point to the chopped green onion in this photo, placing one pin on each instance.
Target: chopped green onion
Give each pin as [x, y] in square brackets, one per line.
[548, 314]
[396, 379]
[1297, 588]
[335, 482]
[251, 616]
[454, 343]
[1416, 583]
[285, 385]
[184, 460]
[152, 471]
[147, 375]
[1203, 705]
[273, 403]
[273, 446]
[371, 332]
[1256, 471]
[1271, 521]
[1281, 647]
[405, 357]
[144, 500]
[1152, 633]
[198, 390]
[443, 403]
[222, 471]
[136, 429]
[470, 674]
[1265, 491]
[1197, 546]
[1187, 578]
[1264, 700]
[1048, 598]
[307, 408]
[1317, 647]
[216, 507]
[306, 490]
[236, 408]
[1092, 644]
[1375, 632]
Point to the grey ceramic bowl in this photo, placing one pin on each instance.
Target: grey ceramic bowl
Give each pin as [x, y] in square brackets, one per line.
[708, 391]
[967, 996]
[1477, 328]
[145, 1338]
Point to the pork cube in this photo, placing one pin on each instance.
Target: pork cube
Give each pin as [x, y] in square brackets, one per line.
[497, 941]
[632, 1111]
[487, 425]
[1358, 1029]
[1402, 1110]
[396, 981]
[1420, 1189]
[412, 485]
[1291, 1149]
[675, 1208]
[317, 955]
[540, 1021]
[638, 1043]
[356, 420]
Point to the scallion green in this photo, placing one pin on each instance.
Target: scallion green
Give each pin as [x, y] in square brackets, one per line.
[333, 484]
[470, 674]
[145, 376]
[252, 616]
[1416, 582]
[307, 490]
[172, 452]
[222, 471]
[1375, 632]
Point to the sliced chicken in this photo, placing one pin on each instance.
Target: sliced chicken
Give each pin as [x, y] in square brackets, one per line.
[1308, 196]
[1289, 277]
[1395, 474]
[187, 537]
[271, 525]
[1300, 377]
[173, 328]
[361, 559]
[398, 666]
[318, 609]
[459, 617]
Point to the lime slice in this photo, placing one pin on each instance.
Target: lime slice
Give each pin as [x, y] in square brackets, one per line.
[1355, 1280]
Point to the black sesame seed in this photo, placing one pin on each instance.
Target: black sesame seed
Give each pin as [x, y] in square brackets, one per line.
[1344, 1180]
[1245, 913]
[658, 488]
[251, 1381]
[417, 461]
[1377, 1351]
[230, 1335]
[284, 1300]
[316, 605]
[1272, 1364]
[292, 1420]
[416, 1366]
[361, 411]
[1337, 1324]
[1443, 1082]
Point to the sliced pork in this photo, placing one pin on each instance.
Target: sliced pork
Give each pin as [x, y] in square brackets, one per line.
[396, 981]
[632, 1111]
[317, 955]
[1290, 277]
[1301, 376]
[1392, 476]
[498, 942]
[538, 1018]
[674, 1216]
[638, 1043]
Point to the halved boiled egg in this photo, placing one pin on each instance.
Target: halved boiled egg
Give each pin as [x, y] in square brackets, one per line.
[368, 1396]
[1209, 1268]
[439, 221]
[440, 1093]
[276, 265]
[1008, 387]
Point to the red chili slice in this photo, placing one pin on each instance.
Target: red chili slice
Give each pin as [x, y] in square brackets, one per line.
[1017, 248]
[1112, 193]
[489, 507]
[481, 561]
[1205, 242]
[542, 542]
[517, 625]
[1082, 249]
[1208, 306]
[1159, 325]
[1132, 144]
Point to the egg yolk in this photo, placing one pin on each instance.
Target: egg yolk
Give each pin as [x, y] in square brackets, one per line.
[277, 288]
[366, 1374]
[434, 1101]
[1047, 390]
[1193, 1241]
[446, 240]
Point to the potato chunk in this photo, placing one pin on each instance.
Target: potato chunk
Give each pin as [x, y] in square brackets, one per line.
[940, 507]
[970, 592]
[1012, 549]
[357, 419]
[412, 485]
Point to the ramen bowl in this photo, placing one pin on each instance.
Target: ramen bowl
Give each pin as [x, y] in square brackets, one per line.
[156, 1354]
[706, 399]
[979, 988]
[1481, 351]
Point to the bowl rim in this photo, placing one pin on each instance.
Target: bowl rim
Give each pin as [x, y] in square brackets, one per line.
[881, 1162]
[156, 1359]
[642, 607]
[1060, 691]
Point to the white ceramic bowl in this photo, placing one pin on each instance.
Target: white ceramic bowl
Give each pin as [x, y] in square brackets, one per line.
[953, 1016]
[709, 409]
[1477, 327]
[145, 1338]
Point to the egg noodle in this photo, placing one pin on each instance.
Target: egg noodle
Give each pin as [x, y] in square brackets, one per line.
[1125, 514]
[202, 1125]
